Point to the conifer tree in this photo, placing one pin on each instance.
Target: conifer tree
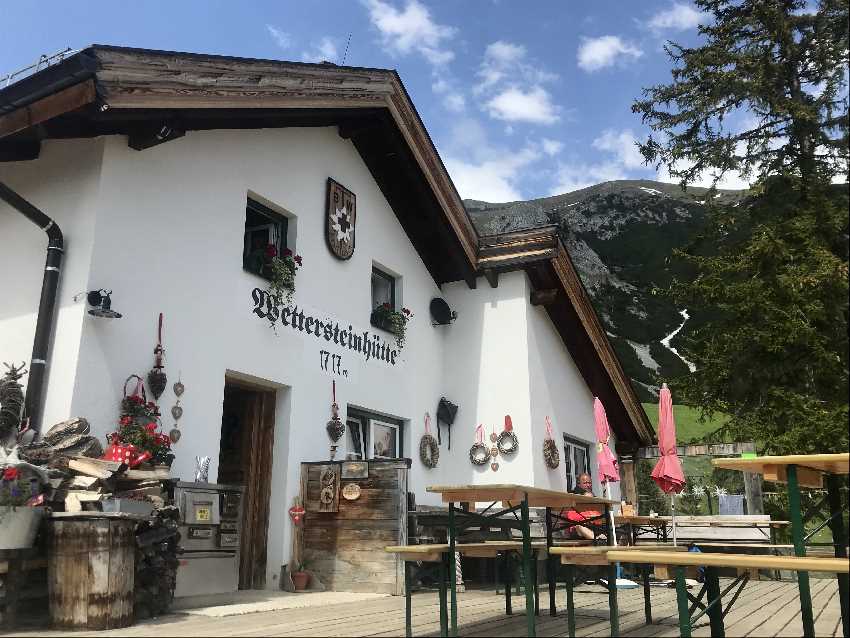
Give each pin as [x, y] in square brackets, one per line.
[765, 94]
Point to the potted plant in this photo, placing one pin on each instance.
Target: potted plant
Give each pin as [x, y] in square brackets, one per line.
[300, 575]
[283, 269]
[20, 502]
[394, 321]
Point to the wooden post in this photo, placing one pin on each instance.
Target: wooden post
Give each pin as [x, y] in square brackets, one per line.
[752, 493]
[628, 481]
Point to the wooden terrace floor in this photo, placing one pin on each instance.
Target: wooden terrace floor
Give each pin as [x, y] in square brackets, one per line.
[765, 608]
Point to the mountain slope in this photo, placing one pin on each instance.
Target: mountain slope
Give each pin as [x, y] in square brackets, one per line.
[620, 236]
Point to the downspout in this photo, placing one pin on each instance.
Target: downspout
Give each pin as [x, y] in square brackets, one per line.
[34, 402]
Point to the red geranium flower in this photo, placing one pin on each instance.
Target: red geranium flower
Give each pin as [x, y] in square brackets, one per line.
[125, 420]
[287, 252]
[10, 474]
[386, 305]
[151, 427]
[136, 399]
[405, 311]
[297, 259]
[271, 250]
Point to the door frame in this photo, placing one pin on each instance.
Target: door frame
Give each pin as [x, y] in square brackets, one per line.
[258, 444]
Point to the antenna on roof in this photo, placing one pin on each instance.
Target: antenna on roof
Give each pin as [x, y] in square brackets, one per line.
[345, 54]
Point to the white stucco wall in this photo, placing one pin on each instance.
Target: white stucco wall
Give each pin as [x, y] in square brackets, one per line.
[64, 183]
[163, 229]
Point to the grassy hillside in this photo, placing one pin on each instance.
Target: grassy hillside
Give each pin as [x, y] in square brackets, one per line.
[689, 429]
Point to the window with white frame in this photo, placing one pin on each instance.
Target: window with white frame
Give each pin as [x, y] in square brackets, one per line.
[373, 436]
[576, 460]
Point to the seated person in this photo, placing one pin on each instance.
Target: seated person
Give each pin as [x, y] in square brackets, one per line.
[585, 488]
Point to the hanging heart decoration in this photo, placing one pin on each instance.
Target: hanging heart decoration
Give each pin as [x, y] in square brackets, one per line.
[335, 427]
[174, 435]
[157, 379]
[176, 411]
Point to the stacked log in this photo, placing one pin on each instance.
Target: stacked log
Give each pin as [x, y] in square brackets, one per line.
[80, 481]
[157, 542]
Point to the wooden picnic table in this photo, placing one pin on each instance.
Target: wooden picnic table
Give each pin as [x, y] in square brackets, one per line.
[660, 525]
[514, 499]
[808, 470]
[714, 603]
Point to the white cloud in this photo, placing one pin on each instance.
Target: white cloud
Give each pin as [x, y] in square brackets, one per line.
[282, 38]
[454, 102]
[411, 30]
[731, 180]
[573, 177]
[493, 180]
[621, 160]
[506, 61]
[517, 105]
[323, 50]
[484, 171]
[551, 147]
[622, 144]
[678, 17]
[605, 51]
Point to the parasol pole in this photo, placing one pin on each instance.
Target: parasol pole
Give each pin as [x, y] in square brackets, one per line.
[606, 492]
[673, 515]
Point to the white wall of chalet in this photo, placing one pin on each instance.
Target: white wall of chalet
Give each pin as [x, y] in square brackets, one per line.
[163, 229]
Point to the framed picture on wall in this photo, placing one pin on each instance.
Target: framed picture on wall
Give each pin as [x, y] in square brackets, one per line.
[384, 439]
[357, 435]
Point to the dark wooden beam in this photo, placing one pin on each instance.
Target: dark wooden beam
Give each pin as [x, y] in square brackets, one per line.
[48, 107]
[149, 137]
[19, 151]
[471, 282]
[492, 277]
[544, 297]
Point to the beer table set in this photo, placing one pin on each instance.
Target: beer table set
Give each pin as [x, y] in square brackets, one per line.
[808, 470]
[515, 500]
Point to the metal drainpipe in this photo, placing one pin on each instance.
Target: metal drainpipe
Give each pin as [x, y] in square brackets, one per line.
[34, 402]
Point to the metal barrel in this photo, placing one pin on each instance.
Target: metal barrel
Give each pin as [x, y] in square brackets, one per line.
[90, 573]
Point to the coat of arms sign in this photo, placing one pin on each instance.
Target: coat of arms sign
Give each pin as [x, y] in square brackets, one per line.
[340, 218]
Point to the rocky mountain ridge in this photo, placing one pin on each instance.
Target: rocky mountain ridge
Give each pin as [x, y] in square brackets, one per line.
[620, 236]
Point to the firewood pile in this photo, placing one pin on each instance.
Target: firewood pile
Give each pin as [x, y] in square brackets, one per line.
[157, 542]
[79, 481]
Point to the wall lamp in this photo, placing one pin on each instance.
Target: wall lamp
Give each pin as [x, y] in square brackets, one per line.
[100, 302]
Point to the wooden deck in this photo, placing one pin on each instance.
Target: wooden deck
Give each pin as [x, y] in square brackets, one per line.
[765, 608]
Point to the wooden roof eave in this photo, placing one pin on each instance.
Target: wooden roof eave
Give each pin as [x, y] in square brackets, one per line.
[130, 80]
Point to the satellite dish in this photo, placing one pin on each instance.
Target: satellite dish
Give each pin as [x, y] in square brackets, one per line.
[441, 314]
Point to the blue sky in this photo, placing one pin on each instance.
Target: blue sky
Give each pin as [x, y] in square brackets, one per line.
[522, 99]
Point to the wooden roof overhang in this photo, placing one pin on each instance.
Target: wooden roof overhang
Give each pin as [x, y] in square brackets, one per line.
[557, 287]
[156, 96]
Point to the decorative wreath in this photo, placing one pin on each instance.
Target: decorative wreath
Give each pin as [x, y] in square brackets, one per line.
[429, 451]
[507, 442]
[479, 454]
[551, 454]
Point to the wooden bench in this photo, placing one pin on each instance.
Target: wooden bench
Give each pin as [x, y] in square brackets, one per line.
[711, 562]
[598, 555]
[439, 553]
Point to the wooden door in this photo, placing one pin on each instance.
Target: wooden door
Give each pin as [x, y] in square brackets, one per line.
[258, 443]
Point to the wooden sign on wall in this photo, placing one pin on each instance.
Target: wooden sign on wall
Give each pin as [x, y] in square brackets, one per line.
[340, 219]
[329, 488]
